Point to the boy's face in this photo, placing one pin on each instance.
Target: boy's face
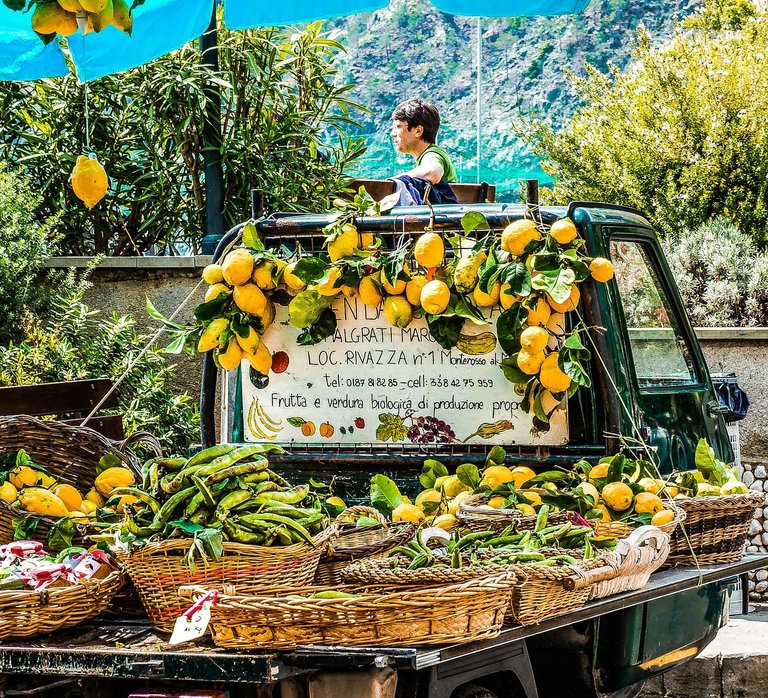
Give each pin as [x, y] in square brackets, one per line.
[406, 140]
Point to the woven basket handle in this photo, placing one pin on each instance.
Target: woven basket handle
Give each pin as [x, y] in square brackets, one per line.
[584, 578]
[364, 511]
[143, 437]
[643, 547]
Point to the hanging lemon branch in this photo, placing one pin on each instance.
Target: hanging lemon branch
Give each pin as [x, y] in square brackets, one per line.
[530, 272]
[52, 18]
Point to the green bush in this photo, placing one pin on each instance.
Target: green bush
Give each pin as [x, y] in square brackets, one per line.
[72, 343]
[24, 244]
[282, 114]
[681, 134]
[722, 275]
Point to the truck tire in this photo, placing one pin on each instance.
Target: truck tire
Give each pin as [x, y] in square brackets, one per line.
[473, 691]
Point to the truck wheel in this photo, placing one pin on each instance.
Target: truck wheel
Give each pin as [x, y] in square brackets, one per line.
[473, 691]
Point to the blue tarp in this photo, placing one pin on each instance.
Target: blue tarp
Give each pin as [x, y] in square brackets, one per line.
[161, 26]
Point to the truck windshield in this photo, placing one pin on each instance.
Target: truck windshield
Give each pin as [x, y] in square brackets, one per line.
[660, 352]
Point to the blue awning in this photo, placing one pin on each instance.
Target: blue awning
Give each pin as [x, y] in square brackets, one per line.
[161, 26]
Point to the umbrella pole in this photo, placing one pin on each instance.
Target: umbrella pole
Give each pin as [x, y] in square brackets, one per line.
[214, 174]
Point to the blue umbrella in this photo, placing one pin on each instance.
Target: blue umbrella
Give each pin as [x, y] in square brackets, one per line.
[161, 26]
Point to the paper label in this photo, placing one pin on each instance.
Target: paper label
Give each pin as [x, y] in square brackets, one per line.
[192, 626]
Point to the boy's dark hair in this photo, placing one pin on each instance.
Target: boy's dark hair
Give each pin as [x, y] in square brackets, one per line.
[418, 112]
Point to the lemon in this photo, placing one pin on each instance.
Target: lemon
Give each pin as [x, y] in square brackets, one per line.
[122, 19]
[506, 298]
[22, 476]
[429, 250]
[517, 235]
[344, 244]
[249, 344]
[598, 472]
[87, 506]
[453, 486]
[601, 269]
[100, 20]
[605, 514]
[551, 377]
[230, 358]
[496, 475]
[662, 517]
[349, 291]
[209, 339]
[264, 275]
[250, 299]
[329, 287]
[648, 503]
[212, 274]
[335, 502]
[651, 485]
[237, 267]
[69, 495]
[456, 502]
[413, 290]
[290, 279]
[407, 512]
[369, 292]
[617, 496]
[71, 5]
[428, 495]
[445, 521]
[93, 496]
[398, 311]
[94, 6]
[534, 497]
[521, 474]
[563, 231]
[8, 492]
[734, 487]
[435, 297]
[589, 490]
[260, 361]
[45, 480]
[396, 289]
[570, 304]
[268, 316]
[526, 509]
[487, 300]
[52, 18]
[215, 290]
[538, 312]
[534, 339]
[89, 179]
[529, 363]
[497, 502]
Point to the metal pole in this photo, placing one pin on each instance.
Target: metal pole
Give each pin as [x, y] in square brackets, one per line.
[478, 113]
[214, 174]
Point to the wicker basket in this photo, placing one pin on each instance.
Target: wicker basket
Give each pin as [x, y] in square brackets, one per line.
[69, 453]
[620, 529]
[157, 570]
[637, 558]
[549, 592]
[716, 529]
[477, 516]
[25, 613]
[350, 543]
[435, 615]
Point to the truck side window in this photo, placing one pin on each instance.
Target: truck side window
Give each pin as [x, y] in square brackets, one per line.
[659, 349]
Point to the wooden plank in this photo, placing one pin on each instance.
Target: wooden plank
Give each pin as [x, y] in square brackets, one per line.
[56, 398]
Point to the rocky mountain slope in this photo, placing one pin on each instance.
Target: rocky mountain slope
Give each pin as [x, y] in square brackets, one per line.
[411, 49]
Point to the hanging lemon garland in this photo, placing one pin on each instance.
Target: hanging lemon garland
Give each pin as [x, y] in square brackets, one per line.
[531, 271]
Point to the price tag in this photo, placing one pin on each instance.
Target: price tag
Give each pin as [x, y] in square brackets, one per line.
[194, 621]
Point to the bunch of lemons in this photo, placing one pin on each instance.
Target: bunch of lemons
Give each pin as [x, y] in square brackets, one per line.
[59, 17]
[36, 492]
[241, 283]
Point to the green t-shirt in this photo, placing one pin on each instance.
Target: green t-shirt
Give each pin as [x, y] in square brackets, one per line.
[449, 174]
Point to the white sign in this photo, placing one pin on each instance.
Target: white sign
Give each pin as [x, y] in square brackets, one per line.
[372, 382]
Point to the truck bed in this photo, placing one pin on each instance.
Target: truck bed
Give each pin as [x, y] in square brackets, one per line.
[129, 649]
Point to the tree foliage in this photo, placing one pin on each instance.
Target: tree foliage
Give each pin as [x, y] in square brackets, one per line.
[282, 114]
[25, 242]
[682, 133]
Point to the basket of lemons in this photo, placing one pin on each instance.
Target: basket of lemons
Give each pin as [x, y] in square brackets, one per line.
[719, 510]
[56, 480]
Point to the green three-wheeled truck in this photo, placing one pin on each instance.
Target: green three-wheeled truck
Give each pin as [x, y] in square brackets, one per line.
[650, 385]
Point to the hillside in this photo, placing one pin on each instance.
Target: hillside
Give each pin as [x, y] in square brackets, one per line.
[410, 49]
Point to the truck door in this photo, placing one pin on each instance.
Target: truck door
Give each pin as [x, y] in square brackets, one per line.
[676, 404]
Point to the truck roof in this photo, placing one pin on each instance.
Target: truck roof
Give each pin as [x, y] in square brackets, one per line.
[496, 213]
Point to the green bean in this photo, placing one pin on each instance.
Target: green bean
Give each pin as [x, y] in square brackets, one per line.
[232, 499]
[290, 524]
[209, 454]
[236, 470]
[162, 516]
[139, 494]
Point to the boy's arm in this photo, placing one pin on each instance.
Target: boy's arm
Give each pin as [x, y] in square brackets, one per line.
[431, 169]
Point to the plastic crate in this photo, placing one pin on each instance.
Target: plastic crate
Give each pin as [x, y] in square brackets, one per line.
[733, 434]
